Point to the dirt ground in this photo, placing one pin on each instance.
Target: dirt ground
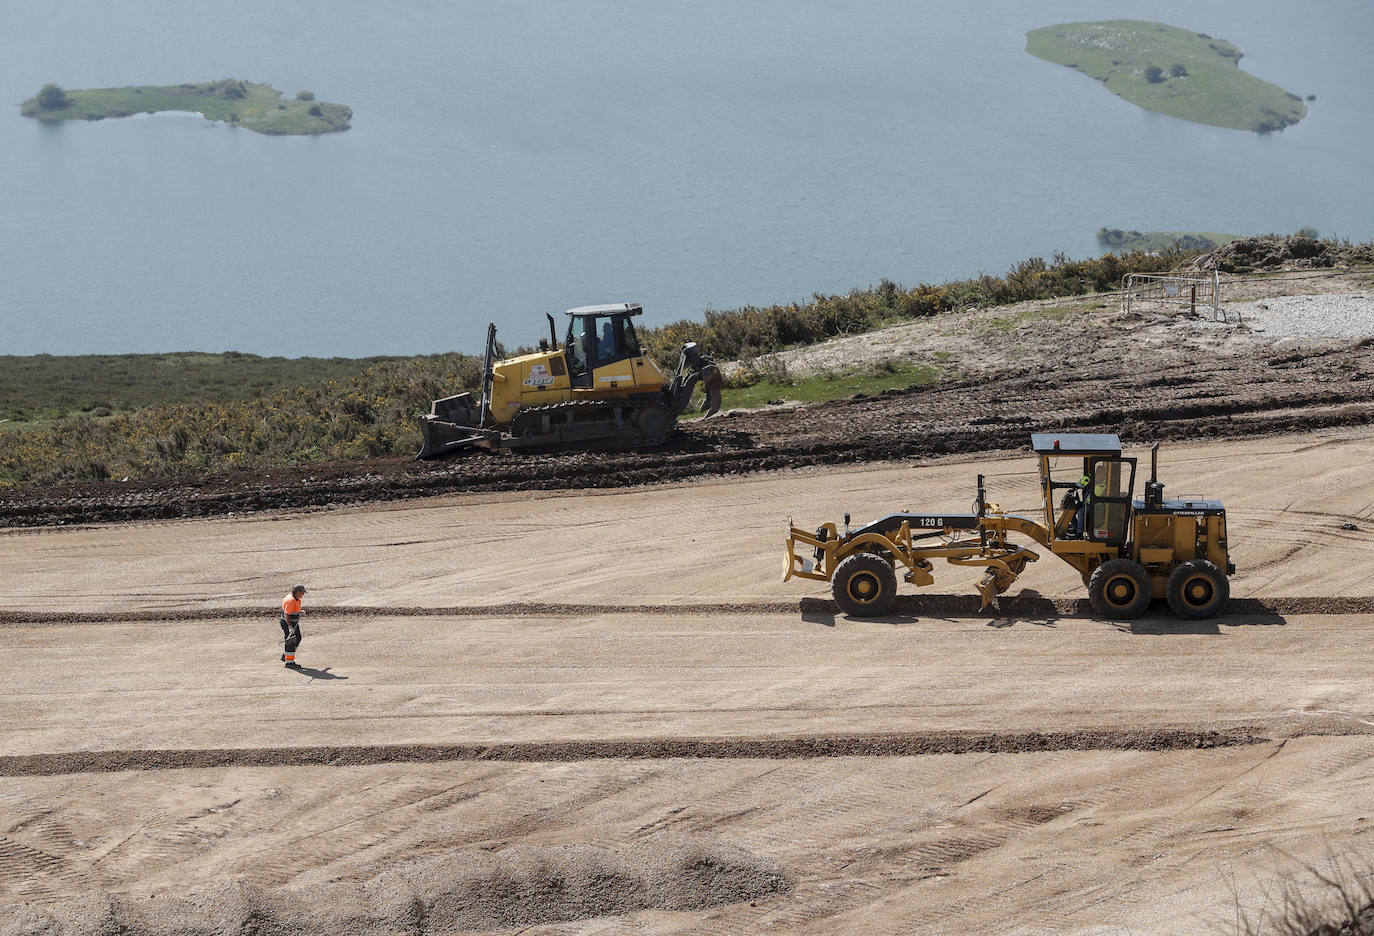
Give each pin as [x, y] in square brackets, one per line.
[555, 712]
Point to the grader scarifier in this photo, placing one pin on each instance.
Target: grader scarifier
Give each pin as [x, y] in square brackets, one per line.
[1128, 551]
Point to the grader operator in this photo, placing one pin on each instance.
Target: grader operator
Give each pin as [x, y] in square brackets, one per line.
[1128, 551]
[597, 388]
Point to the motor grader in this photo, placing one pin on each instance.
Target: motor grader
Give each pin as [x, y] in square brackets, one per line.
[1129, 551]
[596, 388]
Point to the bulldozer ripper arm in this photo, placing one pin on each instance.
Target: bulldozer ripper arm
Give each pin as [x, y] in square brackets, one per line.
[695, 367]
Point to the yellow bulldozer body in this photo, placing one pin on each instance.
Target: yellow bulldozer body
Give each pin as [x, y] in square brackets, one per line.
[595, 388]
[542, 378]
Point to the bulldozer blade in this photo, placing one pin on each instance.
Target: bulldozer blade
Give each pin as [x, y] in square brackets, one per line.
[711, 384]
[444, 438]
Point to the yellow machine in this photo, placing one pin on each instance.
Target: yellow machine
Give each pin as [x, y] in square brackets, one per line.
[597, 388]
[1128, 551]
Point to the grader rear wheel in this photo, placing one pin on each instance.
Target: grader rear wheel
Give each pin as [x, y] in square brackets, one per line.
[1197, 589]
[1120, 589]
[864, 585]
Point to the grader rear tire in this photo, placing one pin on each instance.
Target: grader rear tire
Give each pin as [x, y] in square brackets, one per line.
[1197, 589]
[864, 585]
[1119, 589]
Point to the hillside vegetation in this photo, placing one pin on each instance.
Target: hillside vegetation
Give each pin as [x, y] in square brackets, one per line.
[257, 107]
[1170, 70]
[374, 410]
[37, 389]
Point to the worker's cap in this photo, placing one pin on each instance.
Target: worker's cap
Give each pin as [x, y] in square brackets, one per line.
[297, 588]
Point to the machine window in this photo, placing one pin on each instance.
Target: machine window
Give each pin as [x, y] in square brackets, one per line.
[575, 347]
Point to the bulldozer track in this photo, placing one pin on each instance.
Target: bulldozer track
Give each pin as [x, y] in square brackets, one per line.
[1235, 396]
[912, 744]
[905, 605]
[533, 415]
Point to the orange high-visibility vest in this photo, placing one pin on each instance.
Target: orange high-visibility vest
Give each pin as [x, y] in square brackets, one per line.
[291, 609]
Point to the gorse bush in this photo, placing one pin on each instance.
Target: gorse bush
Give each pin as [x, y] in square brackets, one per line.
[372, 414]
[752, 330]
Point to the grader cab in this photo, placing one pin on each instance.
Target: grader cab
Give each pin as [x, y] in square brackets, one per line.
[1129, 551]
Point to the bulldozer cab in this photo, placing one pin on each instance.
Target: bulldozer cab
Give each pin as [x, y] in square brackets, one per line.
[598, 336]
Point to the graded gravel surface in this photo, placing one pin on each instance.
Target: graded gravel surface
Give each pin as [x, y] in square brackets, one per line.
[603, 712]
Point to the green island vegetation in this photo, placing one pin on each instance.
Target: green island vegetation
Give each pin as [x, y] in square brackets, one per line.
[244, 104]
[1117, 239]
[1170, 70]
[95, 418]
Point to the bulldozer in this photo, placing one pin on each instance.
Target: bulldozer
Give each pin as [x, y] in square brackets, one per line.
[1129, 551]
[595, 389]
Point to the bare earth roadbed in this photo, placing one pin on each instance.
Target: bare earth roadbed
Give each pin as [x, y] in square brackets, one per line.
[595, 712]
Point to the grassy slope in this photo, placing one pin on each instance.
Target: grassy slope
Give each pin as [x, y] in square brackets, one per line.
[253, 106]
[1214, 90]
[39, 388]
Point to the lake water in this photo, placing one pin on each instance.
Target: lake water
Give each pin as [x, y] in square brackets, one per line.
[513, 158]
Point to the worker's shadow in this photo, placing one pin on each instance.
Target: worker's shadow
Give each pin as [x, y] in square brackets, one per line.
[319, 673]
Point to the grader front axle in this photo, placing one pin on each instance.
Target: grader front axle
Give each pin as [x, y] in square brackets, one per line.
[861, 564]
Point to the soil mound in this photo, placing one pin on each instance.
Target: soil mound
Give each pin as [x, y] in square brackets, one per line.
[471, 891]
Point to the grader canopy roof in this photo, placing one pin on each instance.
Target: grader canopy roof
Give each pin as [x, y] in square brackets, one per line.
[1075, 443]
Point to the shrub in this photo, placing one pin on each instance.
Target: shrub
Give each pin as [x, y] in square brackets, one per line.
[1178, 71]
[305, 95]
[751, 331]
[51, 97]
[1154, 74]
[315, 111]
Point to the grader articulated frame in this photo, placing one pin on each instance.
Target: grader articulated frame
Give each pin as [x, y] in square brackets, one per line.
[1128, 551]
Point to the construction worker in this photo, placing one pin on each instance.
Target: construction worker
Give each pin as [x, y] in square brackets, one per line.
[1079, 503]
[291, 625]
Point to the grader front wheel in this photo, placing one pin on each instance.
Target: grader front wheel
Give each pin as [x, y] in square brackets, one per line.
[1119, 589]
[864, 585]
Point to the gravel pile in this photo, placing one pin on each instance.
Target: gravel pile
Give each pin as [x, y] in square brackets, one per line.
[1317, 316]
[471, 891]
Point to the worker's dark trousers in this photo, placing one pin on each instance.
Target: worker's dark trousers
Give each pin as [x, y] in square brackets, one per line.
[291, 633]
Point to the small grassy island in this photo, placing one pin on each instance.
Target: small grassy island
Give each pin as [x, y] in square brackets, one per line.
[1170, 70]
[242, 103]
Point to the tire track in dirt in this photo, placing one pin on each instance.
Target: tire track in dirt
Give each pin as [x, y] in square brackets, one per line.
[770, 748]
[906, 605]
